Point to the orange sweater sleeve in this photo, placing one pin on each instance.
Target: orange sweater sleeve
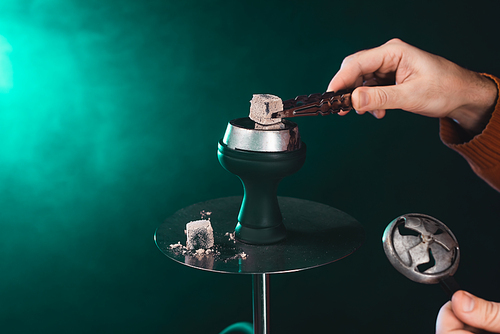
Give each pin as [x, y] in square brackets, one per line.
[481, 152]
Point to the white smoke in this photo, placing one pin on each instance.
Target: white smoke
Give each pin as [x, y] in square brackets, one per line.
[6, 82]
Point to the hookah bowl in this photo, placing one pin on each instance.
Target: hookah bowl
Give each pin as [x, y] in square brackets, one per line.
[261, 158]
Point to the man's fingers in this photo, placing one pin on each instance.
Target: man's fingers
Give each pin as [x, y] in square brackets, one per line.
[381, 97]
[447, 322]
[476, 312]
[383, 59]
[379, 113]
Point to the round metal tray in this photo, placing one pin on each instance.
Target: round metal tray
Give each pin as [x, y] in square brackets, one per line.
[317, 234]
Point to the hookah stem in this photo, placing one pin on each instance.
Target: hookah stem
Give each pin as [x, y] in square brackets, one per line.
[261, 309]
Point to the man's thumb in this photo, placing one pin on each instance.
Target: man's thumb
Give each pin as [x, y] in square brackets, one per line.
[476, 312]
[373, 98]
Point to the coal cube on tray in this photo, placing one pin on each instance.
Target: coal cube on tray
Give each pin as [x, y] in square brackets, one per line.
[200, 235]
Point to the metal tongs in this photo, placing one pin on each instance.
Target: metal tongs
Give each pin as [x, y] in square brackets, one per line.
[316, 104]
[271, 109]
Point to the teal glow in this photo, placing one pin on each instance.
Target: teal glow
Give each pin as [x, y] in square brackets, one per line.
[240, 328]
[5, 66]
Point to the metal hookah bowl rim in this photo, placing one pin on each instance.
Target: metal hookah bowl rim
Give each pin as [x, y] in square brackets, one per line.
[241, 135]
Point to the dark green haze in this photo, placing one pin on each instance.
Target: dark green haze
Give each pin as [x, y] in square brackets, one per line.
[110, 113]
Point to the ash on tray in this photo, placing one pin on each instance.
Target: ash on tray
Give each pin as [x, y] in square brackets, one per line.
[223, 253]
[241, 255]
[181, 249]
[205, 214]
[231, 236]
[200, 241]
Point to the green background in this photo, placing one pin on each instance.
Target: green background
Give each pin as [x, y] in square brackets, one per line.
[112, 125]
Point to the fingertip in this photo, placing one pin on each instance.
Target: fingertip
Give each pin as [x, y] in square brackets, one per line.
[343, 112]
[460, 298]
[379, 113]
[446, 308]
[361, 99]
[334, 84]
[446, 321]
[329, 88]
[456, 296]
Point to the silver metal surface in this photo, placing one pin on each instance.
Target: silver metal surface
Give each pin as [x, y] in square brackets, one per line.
[422, 248]
[241, 135]
[261, 310]
[317, 234]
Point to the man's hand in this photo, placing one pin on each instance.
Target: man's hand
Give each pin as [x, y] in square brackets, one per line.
[416, 81]
[465, 308]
